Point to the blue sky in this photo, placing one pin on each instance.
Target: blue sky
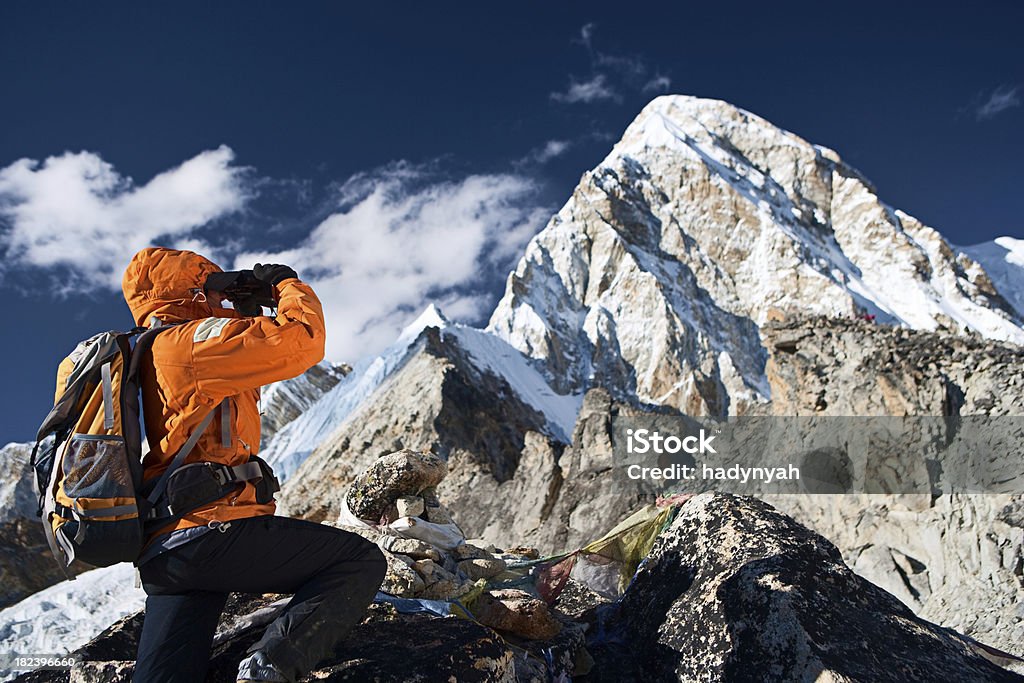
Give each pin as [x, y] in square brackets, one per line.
[296, 130]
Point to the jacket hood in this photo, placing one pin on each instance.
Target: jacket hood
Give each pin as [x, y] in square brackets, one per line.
[168, 284]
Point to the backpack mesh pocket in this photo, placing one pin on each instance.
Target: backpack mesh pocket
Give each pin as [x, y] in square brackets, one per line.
[97, 467]
[97, 485]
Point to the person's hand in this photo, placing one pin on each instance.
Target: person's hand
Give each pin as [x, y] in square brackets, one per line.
[272, 273]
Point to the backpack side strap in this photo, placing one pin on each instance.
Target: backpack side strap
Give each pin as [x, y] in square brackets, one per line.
[161, 484]
[143, 344]
[247, 471]
[65, 550]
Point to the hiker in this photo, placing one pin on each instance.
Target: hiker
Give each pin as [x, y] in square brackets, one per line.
[213, 362]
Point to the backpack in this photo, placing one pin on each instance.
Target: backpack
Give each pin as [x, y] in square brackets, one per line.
[87, 459]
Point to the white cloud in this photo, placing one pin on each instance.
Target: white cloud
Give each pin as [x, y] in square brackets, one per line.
[403, 239]
[545, 153]
[587, 34]
[552, 149]
[612, 74]
[594, 90]
[400, 237]
[658, 84]
[77, 211]
[1001, 99]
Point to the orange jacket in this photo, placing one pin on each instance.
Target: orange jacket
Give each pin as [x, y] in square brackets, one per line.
[215, 354]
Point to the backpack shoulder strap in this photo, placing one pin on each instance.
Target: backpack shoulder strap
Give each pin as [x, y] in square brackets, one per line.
[143, 344]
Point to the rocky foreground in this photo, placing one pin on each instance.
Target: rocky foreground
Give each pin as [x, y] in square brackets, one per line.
[733, 590]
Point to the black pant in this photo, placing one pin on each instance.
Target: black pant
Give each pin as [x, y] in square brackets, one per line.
[333, 574]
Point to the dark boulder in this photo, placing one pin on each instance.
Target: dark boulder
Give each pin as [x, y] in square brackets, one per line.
[736, 591]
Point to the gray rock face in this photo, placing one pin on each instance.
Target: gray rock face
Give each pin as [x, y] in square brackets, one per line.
[402, 579]
[26, 563]
[735, 591]
[835, 366]
[955, 559]
[560, 499]
[282, 402]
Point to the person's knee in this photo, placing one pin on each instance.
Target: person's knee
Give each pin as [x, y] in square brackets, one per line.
[374, 564]
[377, 564]
[361, 560]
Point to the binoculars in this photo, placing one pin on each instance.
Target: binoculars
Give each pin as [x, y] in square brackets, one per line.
[247, 294]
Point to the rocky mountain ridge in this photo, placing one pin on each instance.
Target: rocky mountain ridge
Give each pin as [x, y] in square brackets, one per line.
[282, 402]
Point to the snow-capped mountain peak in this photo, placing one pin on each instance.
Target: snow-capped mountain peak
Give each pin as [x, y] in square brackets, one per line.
[290, 447]
[704, 221]
[430, 317]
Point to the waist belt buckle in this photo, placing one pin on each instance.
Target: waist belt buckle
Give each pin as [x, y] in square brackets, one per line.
[217, 525]
[222, 474]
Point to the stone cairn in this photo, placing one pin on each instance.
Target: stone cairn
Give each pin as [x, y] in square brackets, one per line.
[394, 503]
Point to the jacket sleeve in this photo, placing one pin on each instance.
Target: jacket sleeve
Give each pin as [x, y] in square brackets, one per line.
[232, 355]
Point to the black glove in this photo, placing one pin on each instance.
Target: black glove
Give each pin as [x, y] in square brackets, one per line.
[272, 273]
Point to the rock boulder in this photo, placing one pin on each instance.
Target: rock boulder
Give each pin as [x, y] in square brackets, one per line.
[736, 591]
[391, 477]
